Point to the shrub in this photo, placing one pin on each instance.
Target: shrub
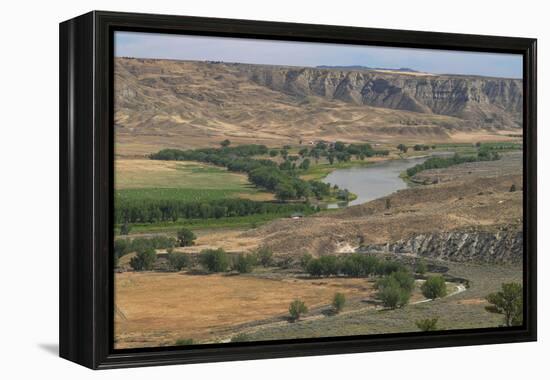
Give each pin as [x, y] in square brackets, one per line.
[156, 242]
[404, 278]
[305, 164]
[305, 259]
[428, 324]
[177, 261]
[296, 309]
[240, 338]
[403, 148]
[359, 265]
[314, 268]
[214, 260]
[244, 263]
[121, 247]
[338, 302]
[508, 302]
[144, 259]
[421, 267]
[265, 256]
[323, 266]
[394, 290]
[434, 287]
[388, 267]
[186, 237]
[285, 262]
[125, 228]
[184, 342]
[392, 295]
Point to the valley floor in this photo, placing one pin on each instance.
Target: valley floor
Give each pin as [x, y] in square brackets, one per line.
[157, 309]
[160, 308]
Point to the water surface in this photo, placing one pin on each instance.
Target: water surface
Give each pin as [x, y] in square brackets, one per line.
[371, 182]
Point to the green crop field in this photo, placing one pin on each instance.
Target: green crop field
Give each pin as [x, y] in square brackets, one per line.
[247, 221]
[143, 179]
[176, 194]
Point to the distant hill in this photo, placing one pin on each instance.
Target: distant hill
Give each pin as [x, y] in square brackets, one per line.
[359, 67]
[163, 103]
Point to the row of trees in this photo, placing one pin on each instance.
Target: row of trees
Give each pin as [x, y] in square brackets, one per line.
[151, 211]
[279, 179]
[341, 152]
[418, 147]
[145, 249]
[217, 260]
[444, 162]
[354, 265]
[395, 285]
[331, 151]
[212, 260]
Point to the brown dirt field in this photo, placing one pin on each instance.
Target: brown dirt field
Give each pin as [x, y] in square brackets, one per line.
[229, 239]
[158, 308]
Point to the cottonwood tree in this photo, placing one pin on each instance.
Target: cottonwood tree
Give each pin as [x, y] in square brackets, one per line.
[214, 260]
[144, 259]
[508, 302]
[434, 287]
[186, 237]
[177, 261]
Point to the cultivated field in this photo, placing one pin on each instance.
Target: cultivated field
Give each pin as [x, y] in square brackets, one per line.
[138, 179]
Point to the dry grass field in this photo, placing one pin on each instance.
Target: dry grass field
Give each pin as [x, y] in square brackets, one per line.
[146, 173]
[465, 310]
[159, 308]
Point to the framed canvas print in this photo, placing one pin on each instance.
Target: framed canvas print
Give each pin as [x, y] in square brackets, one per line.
[236, 189]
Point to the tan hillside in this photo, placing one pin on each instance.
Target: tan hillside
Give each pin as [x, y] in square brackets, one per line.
[165, 103]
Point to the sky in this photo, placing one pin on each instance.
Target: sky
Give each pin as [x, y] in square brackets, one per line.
[241, 50]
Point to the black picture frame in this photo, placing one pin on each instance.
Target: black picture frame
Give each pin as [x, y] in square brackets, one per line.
[86, 188]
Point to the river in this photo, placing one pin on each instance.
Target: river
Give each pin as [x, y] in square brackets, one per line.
[371, 182]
